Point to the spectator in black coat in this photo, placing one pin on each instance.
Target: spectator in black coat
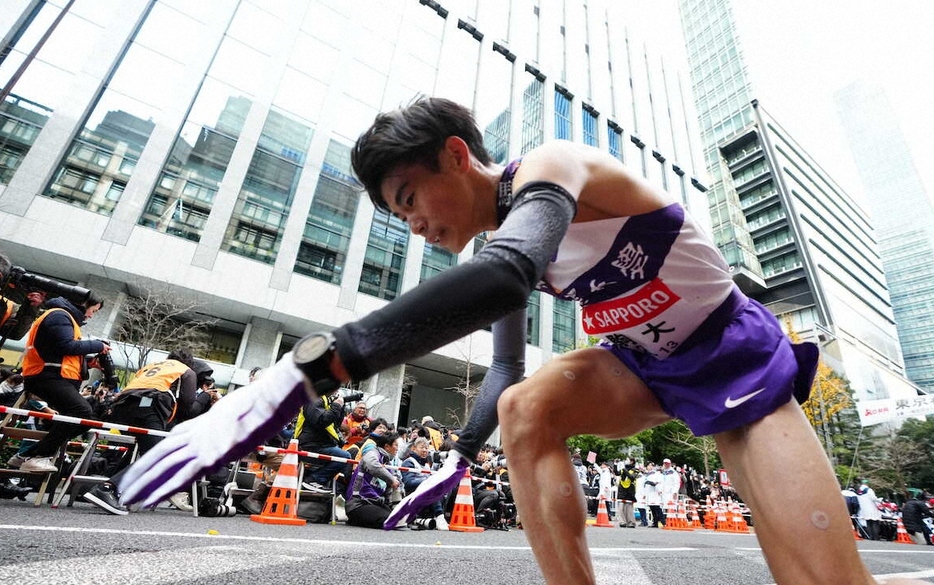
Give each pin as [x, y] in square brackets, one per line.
[914, 512]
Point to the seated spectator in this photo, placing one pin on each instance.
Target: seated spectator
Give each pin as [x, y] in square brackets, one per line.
[10, 389]
[431, 517]
[372, 484]
[379, 426]
[488, 500]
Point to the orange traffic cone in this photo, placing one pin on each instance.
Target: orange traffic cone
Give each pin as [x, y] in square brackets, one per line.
[695, 516]
[739, 522]
[723, 524]
[282, 502]
[855, 531]
[603, 517]
[462, 518]
[902, 534]
[671, 514]
[683, 523]
[710, 515]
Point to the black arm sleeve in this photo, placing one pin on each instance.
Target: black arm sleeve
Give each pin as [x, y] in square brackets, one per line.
[492, 284]
[507, 368]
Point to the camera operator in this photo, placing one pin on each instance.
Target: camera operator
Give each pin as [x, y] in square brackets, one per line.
[53, 367]
[356, 425]
[19, 304]
[159, 395]
[317, 431]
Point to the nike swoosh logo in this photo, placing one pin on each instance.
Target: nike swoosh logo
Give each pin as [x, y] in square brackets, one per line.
[731, 402]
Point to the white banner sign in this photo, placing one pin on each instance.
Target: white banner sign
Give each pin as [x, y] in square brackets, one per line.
[873, 412]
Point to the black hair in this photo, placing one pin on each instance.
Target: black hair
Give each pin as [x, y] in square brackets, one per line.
[92, 300]
[387, 439]
[184, 355]
[414, 134]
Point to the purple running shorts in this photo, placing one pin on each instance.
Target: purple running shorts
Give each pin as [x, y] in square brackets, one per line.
[737, 368]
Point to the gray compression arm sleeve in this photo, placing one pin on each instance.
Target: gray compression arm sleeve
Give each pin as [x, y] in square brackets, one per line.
[507, 368]
[492, 284]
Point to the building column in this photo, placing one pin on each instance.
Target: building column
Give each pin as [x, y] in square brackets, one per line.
[384, 393]
[260, 344]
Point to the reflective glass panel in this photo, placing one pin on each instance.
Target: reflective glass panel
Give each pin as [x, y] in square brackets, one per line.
[384, 261]
[323, 250]
[265, 199]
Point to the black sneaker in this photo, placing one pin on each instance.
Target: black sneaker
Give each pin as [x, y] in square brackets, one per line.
[105, 496]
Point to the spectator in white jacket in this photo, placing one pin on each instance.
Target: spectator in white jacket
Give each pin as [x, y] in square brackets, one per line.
[869, 514]
[671, 483]
[653, 493]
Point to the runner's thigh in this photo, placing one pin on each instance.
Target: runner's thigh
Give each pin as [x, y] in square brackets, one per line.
[583, 391]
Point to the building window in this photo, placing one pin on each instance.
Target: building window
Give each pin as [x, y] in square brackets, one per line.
[198, 160]
[565, 326]
[533, 316]
[614, 135]
[269, 186]
[589, 118]
[562, 115]
[435, 260]
[384, 261]
[533, 114]
[323, 250]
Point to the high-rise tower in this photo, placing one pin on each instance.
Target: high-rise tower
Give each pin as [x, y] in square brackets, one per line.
[796, 240]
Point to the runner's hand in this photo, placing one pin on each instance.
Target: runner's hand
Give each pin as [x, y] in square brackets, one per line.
[438, 485]
[232, 428]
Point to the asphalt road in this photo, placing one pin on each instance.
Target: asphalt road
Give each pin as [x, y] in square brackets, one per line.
[83, 545]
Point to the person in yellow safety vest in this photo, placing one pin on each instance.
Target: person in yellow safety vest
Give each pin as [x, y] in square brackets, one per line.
[53, 367]
[160, 395]
[317, 432]
[434, 432]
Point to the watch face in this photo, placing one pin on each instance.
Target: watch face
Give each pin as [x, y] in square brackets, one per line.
[311, 348]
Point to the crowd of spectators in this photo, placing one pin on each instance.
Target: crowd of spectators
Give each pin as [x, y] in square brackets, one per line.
[387, 462]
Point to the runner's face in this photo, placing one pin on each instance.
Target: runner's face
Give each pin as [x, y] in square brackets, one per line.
[436, 205]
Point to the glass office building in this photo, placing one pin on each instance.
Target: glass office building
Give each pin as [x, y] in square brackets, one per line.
[903, 216]
[203, 148]
[796, 240]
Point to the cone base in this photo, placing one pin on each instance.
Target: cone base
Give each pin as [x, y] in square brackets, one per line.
[277, 520]
[465, 528]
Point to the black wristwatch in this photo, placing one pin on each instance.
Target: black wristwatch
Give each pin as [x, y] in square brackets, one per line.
[312, 355]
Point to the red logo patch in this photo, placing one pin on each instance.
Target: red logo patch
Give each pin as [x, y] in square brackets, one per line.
[629, 311]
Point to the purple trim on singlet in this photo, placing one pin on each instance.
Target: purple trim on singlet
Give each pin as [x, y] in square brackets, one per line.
[504, 194]
[649, 236]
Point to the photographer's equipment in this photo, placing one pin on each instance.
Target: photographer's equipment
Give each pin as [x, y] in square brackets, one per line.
[107, 367]
[20, 277]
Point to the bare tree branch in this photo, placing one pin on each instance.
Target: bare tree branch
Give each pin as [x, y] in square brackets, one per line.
[160, 318]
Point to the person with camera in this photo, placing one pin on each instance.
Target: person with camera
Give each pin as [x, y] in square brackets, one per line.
[317, 431]
[53, 367]
[159, 395]
[356, 425]
[19, 303]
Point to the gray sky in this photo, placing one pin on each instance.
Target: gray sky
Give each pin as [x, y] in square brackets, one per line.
[799, 52]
